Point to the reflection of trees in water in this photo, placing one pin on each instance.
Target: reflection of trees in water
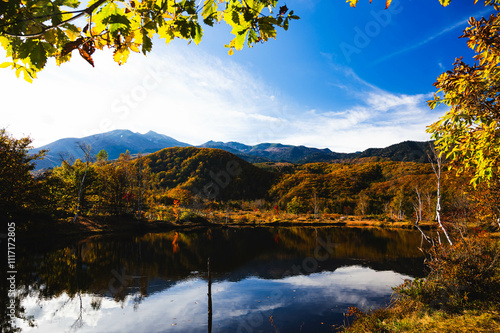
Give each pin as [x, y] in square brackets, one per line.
[135, 266]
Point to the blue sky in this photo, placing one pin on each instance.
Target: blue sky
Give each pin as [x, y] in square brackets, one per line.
[342, 78]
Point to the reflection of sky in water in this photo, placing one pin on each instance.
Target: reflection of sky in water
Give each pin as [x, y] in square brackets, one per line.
[313, 302]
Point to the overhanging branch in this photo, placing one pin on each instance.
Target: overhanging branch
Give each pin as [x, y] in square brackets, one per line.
[86, 11]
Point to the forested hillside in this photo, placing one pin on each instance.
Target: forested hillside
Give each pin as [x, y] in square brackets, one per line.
[369, 186]
[175, 181]
[212, 174]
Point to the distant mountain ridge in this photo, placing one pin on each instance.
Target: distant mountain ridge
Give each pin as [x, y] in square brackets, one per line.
[274, 152]
[408, 151]
[119, 141]
[114, 142]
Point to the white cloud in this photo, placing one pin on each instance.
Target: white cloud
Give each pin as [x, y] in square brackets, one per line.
[194, 97]
[378, 119]
[181, 92]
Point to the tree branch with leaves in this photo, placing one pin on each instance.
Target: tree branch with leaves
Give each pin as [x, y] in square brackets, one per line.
[31, 31]
[469, 133]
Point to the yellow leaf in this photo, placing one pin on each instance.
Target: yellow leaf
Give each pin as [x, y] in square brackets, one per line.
[352, 3]
[4, 41]
[27, 77]
[71, 35]
[138, 37]
[121, 55]
[134, 47]
[6, 64]
[387, 3]
[166, 32]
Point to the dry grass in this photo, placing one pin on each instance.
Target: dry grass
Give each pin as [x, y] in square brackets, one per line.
[392, 320]
[261, 217]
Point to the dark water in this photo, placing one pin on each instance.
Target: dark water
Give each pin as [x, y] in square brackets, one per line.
[262, 280]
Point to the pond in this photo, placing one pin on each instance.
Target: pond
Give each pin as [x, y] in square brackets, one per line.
[280, 279]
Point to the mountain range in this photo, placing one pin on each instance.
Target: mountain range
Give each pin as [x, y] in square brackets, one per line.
[114, 142]
[119, 141]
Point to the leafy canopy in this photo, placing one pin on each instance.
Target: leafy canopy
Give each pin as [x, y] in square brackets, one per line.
[469, 133]
[17, 184]
[33, 31]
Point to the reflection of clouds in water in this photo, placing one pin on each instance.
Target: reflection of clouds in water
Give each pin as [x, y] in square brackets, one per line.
[184, 305]
[185, 301]
[347, 285]
[349, 277]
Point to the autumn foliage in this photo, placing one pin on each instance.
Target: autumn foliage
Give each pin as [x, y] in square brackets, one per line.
[31, 32]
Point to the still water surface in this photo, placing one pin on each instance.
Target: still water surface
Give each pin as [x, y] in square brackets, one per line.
[296, 279]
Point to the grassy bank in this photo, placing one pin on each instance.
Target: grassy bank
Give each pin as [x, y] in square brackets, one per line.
[242, 217]
[460, 294]
[401, 319]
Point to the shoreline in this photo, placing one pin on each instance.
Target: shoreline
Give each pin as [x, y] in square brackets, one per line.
[91, 226]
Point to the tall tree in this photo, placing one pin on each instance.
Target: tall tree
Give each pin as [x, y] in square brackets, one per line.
[17, 183]
[31, 31]
[437, 167]
[469, 133]
[87, 152]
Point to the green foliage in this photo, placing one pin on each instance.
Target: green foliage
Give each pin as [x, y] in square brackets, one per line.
[102, 156]
[33, 31]
[70, 180]
[297, 206]
[119, 187]
[469, 133]
[20, 191]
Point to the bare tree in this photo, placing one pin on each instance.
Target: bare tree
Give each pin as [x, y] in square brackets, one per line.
[437, 167]
[86, 149]
[315, 204]
[417, 205]
[397, 205]
[66, 157]
[388, 209]
[428, 196]
[363, 203]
